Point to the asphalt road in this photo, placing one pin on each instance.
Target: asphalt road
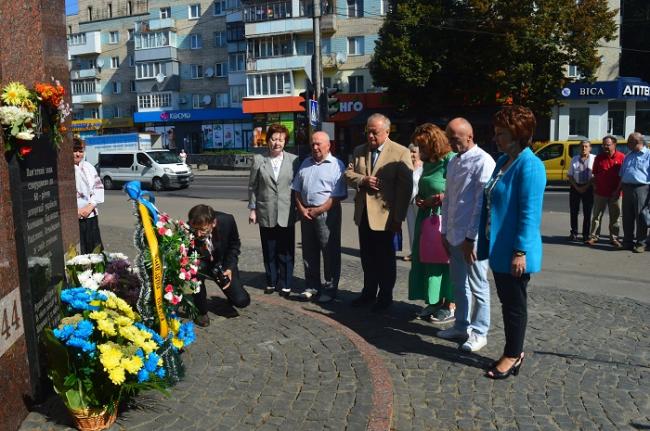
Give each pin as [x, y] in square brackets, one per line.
[556, 199]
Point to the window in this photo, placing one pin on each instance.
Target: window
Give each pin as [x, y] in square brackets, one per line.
[87, 86]
[384, 7]
[355, 45]
[115, 62]
[110, 10]
[196, 101]
[154, 100]
[194, 11]
[270, 47]
[152, 39]
[149, 70]
[195, 41]
[143, 160]
[326, 46]
[616, 119]
[113, 111]
[235, 32]
[77, 39]
[93, 113]
[237, 93]
[132, 86]
[269, 84]
[355, 8]
[309, 47]
[578, 121]
[129, 34]
[574, 72]
[237, 62]
[221, 100]
[117, 87]
[108, 160]
[233, 4]
[113, 37]
[131, 60]
[551, 152]
[90, 13]
[220, 69]
[219, 7]
[165, 12]
[355, 84]
[327, 82]
[196, 71]
[219, 38]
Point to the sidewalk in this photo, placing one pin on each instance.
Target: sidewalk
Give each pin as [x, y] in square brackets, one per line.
[288, 365]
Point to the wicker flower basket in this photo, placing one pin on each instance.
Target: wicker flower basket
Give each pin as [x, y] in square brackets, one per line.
[93, 419]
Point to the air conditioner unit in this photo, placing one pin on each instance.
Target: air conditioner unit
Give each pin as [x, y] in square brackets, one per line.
[209, 72]
[182, 100]
[100, 63]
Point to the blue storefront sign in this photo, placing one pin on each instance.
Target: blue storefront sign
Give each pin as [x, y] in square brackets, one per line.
[620, 89]
[231, 114]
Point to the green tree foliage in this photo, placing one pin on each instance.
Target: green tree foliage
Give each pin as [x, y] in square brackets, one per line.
[436, 53]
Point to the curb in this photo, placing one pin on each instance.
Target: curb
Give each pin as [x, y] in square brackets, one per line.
[381, 414]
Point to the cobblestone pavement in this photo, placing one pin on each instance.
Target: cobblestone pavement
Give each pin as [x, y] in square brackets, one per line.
[587, 367]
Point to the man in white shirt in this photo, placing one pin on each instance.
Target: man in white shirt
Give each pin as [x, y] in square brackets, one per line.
[467, 174]
[580, 176]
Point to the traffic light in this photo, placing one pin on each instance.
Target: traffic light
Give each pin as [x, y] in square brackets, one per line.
[329, 102]
[306, 96]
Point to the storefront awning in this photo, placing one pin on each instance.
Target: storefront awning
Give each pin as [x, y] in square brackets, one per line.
[272, 104]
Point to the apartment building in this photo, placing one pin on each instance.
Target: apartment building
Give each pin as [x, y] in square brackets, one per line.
[278, 52]
[616, 103]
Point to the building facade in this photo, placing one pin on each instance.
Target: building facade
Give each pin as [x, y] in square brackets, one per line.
[614, 104]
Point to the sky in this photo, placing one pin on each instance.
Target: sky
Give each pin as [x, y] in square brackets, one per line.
[71, 7]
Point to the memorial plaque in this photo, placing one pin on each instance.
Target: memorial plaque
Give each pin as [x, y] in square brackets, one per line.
[39, 245]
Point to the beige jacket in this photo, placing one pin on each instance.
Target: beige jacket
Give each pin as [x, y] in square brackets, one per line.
[395, 172]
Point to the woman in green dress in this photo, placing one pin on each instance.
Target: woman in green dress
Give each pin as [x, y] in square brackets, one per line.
[430, 282]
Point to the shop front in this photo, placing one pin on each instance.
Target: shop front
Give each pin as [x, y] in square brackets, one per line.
[593, 110]
[283, 110]
[199, 130]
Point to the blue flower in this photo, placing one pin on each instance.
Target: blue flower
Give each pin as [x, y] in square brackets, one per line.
[152, 362]
[154, 335]
[186, 333]
[161, 372]
[64, 333]
[79, 298]
[84, 329]
[143, 375]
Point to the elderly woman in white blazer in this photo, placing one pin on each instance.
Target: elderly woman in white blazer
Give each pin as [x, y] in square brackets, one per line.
[271, 206]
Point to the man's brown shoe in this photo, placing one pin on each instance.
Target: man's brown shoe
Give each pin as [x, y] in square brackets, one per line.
[591, 241]
[616, 243]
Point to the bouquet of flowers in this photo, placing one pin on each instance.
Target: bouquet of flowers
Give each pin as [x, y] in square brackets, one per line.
[51, 97]
[100, 353]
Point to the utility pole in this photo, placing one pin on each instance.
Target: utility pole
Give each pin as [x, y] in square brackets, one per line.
[317, 71]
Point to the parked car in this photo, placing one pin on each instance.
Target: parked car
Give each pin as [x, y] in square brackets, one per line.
[161, 169]
[557, 156]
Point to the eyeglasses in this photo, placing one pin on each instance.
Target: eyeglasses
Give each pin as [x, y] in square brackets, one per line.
[374, 132]
[201, 230]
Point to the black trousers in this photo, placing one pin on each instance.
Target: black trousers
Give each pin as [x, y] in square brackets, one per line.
[235, 293]
[278, 250]
[587, 200]
[377, 261]
[513, 296]
[89, 237]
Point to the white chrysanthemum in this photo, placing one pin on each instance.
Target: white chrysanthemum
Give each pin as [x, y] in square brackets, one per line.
[84, 276]
[83, 259]
[117, 256]
[96, 258]
[98, 277]
[25, 135]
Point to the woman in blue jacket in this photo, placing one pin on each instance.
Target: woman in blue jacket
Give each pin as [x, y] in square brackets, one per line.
[510, 228]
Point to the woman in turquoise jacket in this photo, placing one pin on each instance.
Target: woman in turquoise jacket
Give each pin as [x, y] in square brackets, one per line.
[509, 233]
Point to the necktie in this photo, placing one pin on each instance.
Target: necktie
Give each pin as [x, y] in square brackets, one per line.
[374, 154]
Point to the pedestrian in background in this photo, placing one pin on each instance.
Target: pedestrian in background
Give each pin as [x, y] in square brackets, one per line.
[412, 210]
[605, 172]
[319, 187]
[271, 206]
[467, 175]
[90, 193]
[430, 282]
[381, 172]
[581, 190]
[509, 233]
[183, 156]
[635, 180]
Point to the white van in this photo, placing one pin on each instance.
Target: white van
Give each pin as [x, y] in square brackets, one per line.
[159, 168]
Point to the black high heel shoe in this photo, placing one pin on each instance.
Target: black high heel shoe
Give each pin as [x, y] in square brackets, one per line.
[495, 374]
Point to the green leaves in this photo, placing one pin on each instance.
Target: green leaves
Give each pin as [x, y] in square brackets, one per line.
[436, 53]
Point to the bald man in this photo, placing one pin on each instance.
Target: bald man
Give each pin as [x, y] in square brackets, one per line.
[635, 181]
[467, 174]
[318, 187]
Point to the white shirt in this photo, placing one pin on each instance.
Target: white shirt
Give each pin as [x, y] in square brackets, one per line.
[276, 163]
[417, 173]
[582, 170]
[90, 188]
[467, 175]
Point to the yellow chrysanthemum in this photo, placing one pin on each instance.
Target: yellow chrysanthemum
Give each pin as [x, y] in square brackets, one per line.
[119, 304]
[110, 357]
[29, 105]
[98, 315]
[15, 94]
[123, 321]
[175, 325]
[132, 365]
[160, 362]
[117, 375]
[177, 343]
[107, 327]
[148, 346]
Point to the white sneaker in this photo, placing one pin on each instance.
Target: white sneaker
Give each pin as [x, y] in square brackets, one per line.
[474, 343]
[308, 293]
[453, 333]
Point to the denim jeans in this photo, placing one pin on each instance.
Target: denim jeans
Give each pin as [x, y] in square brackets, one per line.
[472, 292]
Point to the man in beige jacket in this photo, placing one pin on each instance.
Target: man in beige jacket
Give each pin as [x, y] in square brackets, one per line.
[381, 174]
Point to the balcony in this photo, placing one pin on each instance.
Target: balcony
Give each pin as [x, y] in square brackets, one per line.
[84, 73]
[328, 24]
[84, 43]
[281, 26]
[294, 62]
[160, 53]
[90, 98]
[155, 24]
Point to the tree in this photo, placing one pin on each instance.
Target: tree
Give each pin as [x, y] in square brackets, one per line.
[434, 53]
